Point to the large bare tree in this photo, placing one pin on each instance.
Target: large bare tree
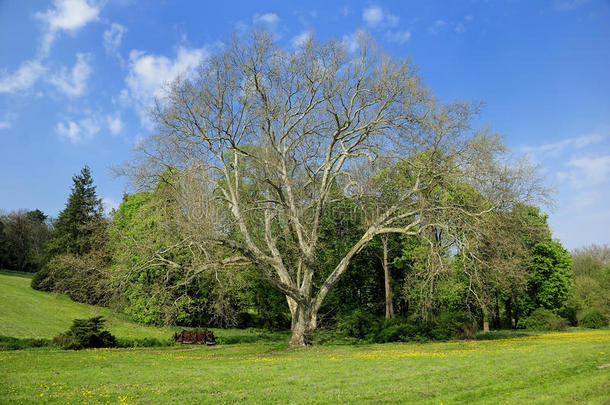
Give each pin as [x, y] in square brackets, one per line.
[264, 139]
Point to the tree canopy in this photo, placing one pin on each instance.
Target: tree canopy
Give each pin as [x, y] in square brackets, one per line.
[264, 140]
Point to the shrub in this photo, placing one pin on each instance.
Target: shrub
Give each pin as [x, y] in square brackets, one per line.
[144, 342]
[594, 319]
[358, 324]
[13, 343]
[401, 332]
[83, 278]
[86, 333]
[543, 319]
[450, 325]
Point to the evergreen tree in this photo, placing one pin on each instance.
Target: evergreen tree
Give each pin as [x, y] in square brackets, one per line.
[75, 224]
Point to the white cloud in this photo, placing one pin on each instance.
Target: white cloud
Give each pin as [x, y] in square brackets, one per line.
[437, 26]
[71, 131]
[345, 11]
[554, 149]
[113, 37]
[77, 132]
[460, 28]
[149, 73]
[373, 16]
[7, 120]
[399, 37]
[66, 15]
[90, 127]
[73, 83]
[269, 19]
[564, 5]
[115, 125]
[591, 170]
[302, 38]
[351, 41]
[23, 78]
[376, 17]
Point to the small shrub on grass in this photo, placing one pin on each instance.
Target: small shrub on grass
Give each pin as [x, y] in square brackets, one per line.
[401, 332]
[451, 325]
[358, 324]
[543, 319]
[86, 333]
[594, 319]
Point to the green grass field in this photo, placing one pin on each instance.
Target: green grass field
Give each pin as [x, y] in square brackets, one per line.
[553, 368]
[35, 314]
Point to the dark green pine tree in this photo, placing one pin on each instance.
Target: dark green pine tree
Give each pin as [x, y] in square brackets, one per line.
[76, 222]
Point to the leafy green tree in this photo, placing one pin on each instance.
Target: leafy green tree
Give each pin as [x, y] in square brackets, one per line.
[591, 283]
[551, 277]
[23, 236]
[547, 264]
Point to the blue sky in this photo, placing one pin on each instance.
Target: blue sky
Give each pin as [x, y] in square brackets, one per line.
[77, 78]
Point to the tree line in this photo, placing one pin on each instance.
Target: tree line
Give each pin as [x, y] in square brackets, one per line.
[316, 187]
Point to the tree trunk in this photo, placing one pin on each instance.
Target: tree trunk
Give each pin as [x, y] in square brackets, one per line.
[389, 307]
[485, 319]
[303, 324]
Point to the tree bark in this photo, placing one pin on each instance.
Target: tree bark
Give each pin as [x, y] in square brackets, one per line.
[303, 325]
[389, 306]
[485, 319]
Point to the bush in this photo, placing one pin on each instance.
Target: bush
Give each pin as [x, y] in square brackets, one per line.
[83, 278]
[38, 280]
[401, 332]
[86, 333]
[450, 325]
[144, 342]
[358, 324]
[13, 343]
[543, 319]
[594, 319]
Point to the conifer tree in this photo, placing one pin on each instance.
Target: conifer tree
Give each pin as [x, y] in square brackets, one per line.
[75, 223]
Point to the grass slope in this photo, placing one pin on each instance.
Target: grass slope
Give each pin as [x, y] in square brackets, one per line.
[27, 313]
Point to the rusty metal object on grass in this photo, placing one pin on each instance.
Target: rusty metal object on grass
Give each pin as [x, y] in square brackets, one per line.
[200, 337]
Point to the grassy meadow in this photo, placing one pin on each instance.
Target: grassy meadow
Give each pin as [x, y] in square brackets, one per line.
[549, 368]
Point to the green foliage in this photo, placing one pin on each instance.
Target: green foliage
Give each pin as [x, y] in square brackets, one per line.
[445, 326]
[13, 343]
[591, 285]
[543, 319]
[23, 235]
[401, 332]
[142, 231]
[594, 319]
[86, 333]
[73, 230]
[551, 280]
[358, 324]
[77, 254]
[143, 342]
[84, 278]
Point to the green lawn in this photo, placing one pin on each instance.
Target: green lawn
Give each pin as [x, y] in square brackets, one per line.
[552, 368]
[27, 313]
